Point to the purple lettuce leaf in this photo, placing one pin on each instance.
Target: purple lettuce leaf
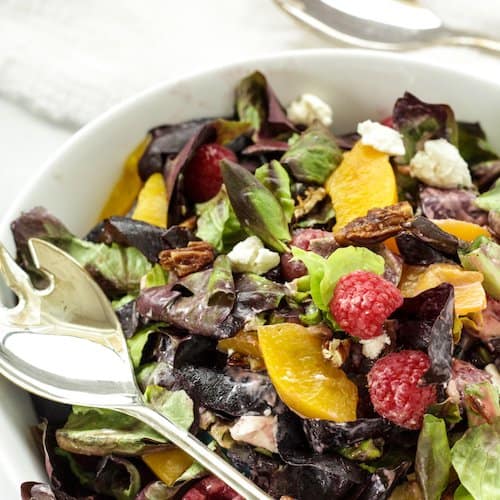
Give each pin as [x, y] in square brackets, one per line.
[425, 322]
[315, 477]
[266, 146]
[131, 233]
[419, 121]
[233, 392]
[38, 491]
[332, 470]
[255, 295]
[428, 232]
[167, 141]
[381, 483]
[65, 480]
[199, 303]
[256, 103]
[485, 174]
[117, 269]
[417, 253]
[128, 318]
[451, 204]
[173, 169]
[323, 435]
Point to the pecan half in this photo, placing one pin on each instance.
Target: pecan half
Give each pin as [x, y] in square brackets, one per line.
[187, 260]
[376, 226]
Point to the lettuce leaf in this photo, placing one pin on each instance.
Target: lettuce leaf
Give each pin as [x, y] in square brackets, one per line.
[217, 223]
[420, 121]
[473, 145]
[258, 211]
[314, 156]
[199, 303]
[433, 458]
[491, 199]
[325, 273]
[476, 459]
[94, 431]
[275, 178]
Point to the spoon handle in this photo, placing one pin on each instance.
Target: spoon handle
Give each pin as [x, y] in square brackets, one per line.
[466, 40]
[198, 451]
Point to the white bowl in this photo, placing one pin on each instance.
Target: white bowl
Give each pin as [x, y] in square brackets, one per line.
[75, 182]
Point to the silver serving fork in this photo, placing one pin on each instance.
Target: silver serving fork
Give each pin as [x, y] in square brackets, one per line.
[52, 336]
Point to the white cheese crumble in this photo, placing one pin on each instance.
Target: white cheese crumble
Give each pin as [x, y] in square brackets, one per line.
[256, 430]
[440, 165]
[307, 108]
[250, 256]
[382, 138]
[373, 347]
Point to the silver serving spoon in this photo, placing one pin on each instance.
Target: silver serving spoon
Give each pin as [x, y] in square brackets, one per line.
[65, 343]
[382, 24]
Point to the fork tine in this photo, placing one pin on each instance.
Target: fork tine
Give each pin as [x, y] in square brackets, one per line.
[27, 311]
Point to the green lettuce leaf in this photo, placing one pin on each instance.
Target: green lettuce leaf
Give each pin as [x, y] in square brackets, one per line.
[218, 224]
[314, 156]
[156, 276]
[94, 431]
[229, 130]
[491, 199]
[462, 494]
[433, 458]
[315, 265]
[117, 269]
[481, 403]
[258, 211]
[476, 459]
[251, 99]
[483, 255]
[275, 178]
[137, 343]
[325, 273]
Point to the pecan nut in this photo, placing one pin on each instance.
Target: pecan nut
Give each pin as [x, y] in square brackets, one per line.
[187, 260]
[376, 226]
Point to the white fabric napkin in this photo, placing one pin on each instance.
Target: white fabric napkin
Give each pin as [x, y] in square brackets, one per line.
[71, 60]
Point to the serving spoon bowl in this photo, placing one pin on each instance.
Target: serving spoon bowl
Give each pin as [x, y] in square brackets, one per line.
[73, 316]
[382, 24]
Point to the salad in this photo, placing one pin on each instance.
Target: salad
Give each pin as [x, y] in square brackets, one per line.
[322, 310]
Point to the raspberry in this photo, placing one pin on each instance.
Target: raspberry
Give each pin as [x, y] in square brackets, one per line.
[202, 175]
[362, 301]
[394, 388]
[211, 488]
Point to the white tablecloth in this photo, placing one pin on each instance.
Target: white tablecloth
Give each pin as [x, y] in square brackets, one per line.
[65, 62]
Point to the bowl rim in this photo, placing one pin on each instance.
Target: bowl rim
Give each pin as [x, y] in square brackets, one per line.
[135, 100]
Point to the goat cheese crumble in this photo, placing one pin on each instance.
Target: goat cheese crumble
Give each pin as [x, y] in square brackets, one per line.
[440, 165]
[250, 256]
[382, 138]
[307, 108]
[373, 347]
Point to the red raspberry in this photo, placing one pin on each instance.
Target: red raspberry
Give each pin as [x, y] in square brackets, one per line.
[394, 388]
[362, 302]
[202, 175]
[211, 488]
